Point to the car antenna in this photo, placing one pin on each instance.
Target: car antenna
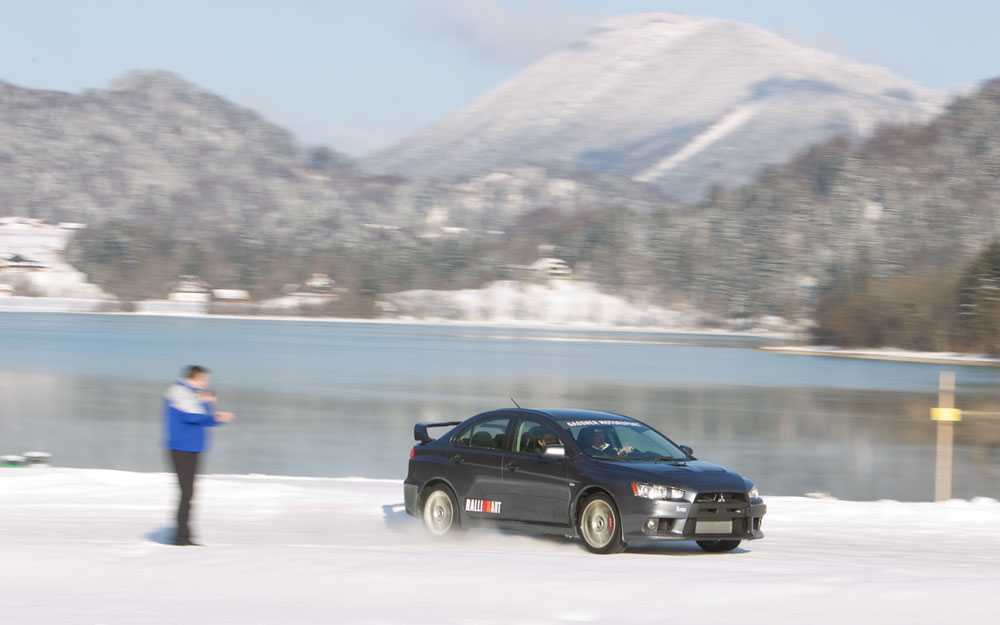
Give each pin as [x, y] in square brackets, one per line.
[515, 403]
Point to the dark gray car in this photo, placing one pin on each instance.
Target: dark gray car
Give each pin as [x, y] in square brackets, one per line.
[609, 479]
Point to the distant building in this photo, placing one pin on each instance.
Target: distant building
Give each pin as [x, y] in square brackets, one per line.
[190, 289]
[318, 283]
[386, 308]
[542, 269]
[551, 268]
[188, 297]
[230, 295]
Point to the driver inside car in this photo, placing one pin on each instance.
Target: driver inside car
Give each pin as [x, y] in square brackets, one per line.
[546, 439]
[595, 443]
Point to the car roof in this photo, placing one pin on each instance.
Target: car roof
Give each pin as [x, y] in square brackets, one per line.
[564, 414]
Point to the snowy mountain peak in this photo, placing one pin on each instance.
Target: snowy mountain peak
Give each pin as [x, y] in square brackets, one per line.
[152, 80]
[685, 102]
[664, 28]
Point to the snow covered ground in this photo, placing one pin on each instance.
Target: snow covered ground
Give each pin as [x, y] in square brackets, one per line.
[86, 546]
[44, 244]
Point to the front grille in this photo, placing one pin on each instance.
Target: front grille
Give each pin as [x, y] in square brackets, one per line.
[734, 526]
[720, 497]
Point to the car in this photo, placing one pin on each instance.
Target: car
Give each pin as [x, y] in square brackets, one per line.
[606, 478]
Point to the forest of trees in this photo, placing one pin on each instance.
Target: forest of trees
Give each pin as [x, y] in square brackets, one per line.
[879, 243]
[939, 311]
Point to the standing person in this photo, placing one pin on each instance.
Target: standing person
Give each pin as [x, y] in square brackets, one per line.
[189, 408]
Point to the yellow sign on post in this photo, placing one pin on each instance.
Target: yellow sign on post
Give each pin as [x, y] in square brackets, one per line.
[946, 414]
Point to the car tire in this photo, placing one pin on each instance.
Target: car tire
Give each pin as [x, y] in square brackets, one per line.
[440, 511]
[718, 546]
[599, 525]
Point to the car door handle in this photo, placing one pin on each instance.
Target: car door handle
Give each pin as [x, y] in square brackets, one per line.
[512, 466]
[457, 458]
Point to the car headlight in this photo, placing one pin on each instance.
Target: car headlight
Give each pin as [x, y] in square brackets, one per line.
[752, 493]
[656, 491]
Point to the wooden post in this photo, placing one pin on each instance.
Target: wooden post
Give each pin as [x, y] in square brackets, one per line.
[945, 436]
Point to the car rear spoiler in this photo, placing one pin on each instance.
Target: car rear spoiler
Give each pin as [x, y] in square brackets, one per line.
[420, 429]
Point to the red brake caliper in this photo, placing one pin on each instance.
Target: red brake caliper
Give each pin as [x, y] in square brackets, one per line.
[611, 522]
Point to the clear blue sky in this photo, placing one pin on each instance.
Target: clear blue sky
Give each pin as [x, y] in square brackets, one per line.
[358, 74]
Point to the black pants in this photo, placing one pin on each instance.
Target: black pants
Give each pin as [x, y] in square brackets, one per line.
[185, 465]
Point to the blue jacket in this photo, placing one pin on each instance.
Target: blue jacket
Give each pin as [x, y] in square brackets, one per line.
[185, 417]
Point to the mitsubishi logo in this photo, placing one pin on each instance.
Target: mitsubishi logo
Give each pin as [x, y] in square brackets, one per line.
[722, 497]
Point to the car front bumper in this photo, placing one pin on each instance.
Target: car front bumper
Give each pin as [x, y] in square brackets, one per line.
[670, 520]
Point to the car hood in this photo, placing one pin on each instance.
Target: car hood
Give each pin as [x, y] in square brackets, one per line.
[695, 475]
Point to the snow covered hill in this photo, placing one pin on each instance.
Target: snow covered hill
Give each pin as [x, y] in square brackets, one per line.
[555, 301]
[685, 102]
[41, 247]
[86, 546]
[560, 302]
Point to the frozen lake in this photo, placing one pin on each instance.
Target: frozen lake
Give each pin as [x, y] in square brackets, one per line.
[340, 399]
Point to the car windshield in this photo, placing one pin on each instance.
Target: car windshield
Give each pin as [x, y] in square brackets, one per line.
[614, 439]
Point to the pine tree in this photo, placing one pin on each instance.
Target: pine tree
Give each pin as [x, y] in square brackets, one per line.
[979, 302]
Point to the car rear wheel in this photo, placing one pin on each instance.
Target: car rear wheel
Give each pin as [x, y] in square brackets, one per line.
[440, 512]
[600, 526]
[718, 546]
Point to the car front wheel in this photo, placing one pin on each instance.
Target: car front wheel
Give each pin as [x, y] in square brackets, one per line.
[718, 546]
[600, 526]
[440, 512]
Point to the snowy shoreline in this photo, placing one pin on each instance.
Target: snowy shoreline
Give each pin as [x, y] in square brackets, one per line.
[88, 546]
[430, 322]
[896, 355]
[556, 303]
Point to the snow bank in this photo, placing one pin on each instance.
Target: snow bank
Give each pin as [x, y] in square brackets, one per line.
[562, 302]
[53, 304]
[44, 244]
[889, 354]
[86, 546]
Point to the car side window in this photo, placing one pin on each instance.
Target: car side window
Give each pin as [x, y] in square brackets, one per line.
[533, 436]
[489, 433]
[462, 438]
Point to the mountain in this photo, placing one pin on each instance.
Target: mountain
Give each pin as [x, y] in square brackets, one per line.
[150, 142]
[905, 203]
[172, 179]
[895, 219]
[685, 102]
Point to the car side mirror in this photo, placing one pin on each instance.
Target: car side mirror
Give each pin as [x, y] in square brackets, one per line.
[554, 451]
[687, 450]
